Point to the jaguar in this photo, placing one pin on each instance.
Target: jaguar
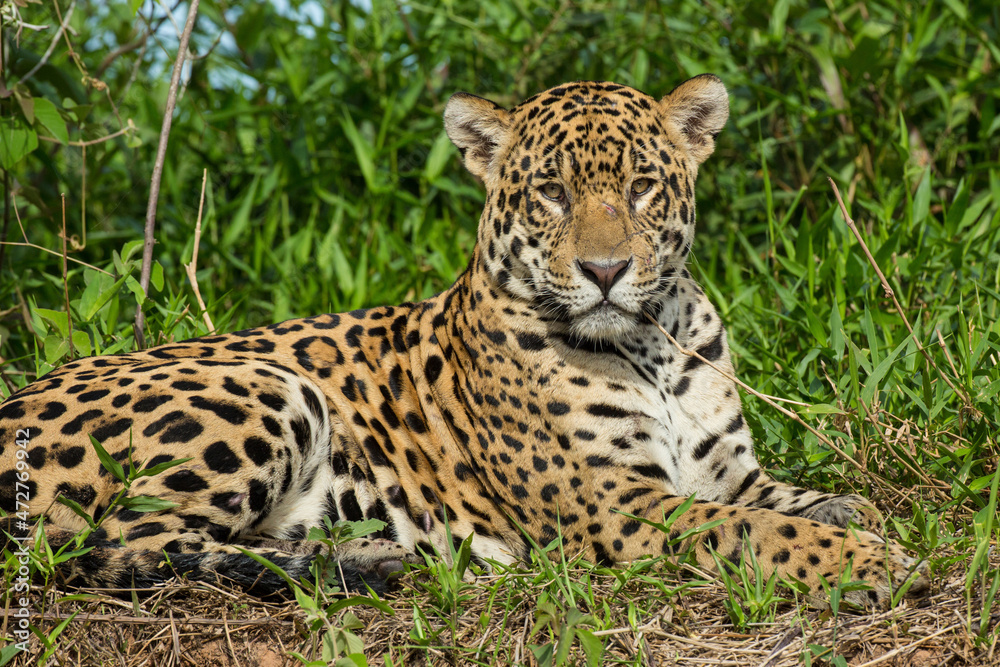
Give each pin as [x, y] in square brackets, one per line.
[536, 398]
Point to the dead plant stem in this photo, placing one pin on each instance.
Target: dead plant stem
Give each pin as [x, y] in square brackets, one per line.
[892, 295]
[161, 154]
[191, 268]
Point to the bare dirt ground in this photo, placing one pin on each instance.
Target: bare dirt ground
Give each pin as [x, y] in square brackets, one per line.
[204, 625]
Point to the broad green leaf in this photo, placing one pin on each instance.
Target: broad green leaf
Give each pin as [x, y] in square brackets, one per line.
[81, 343]
[136, 289]
[55, 348]
[960, 9]
[107, 462]
[8, 653]
[48, 116]
[592, 646]
[16, 140]
[57, 318]
[27, 104]
[640, 68]
[89, 306]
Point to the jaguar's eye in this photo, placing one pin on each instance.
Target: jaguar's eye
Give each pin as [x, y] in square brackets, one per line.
[641, 186]
[552, 191]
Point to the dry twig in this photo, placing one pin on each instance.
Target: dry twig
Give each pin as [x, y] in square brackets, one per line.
[63, 22]
[191, 268]
[161, 154]
[892, 295]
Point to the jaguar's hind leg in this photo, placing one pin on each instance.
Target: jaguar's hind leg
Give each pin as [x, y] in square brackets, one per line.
[146, 562]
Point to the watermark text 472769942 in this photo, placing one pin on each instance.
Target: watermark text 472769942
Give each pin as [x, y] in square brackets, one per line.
[22, 582]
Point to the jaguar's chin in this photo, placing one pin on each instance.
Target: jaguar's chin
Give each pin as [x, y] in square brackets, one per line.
[604, 322]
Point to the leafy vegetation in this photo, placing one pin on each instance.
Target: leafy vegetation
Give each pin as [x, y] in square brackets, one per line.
[331, 185]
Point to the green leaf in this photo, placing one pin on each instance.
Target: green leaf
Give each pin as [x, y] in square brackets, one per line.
[56, 317]
[50, 640]
[134, 5]
[362, 150]
[81, 343]
[543, 653]
[156, 276]
[160, 467]
[8, 653]
[94, 297]
[438, 158]
[822, 409]
[873, 379]
[239, 222]
[957, 209]
[836, 340]
[27, 104]
[146, 504]
[48, 116]
[55, 347]
[592, 646]
[273, 568]
[136, 289]
[107, 462]
[960, 9]
[78, 510]
[16, 140]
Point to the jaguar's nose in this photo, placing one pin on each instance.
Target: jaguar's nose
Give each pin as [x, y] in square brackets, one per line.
[604, 274]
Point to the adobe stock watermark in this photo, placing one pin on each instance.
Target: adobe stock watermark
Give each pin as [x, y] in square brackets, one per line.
[19, 611]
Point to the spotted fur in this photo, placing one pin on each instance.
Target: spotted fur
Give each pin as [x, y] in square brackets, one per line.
[535, 393]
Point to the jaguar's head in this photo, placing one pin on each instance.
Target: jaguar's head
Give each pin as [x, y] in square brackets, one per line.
[590, 194]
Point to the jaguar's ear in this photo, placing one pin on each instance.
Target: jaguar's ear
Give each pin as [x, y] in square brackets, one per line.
[477, 127]
[699, 108]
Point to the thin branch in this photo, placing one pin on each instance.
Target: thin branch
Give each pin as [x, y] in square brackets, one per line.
[947, 353]
[69, 46]
[191, 268]
[129, 127]
[121, 50]
[57, 254]
[161, 154]
[892, 295]
[28, 244]
[64, 21]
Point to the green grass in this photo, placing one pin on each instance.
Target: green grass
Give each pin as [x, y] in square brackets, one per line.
[331, 185]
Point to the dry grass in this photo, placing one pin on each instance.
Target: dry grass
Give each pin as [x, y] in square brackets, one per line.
[198, 624]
